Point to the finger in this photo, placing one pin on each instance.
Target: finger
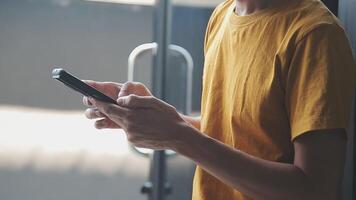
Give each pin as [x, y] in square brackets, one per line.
[106, 124]
[134, 101]
[110, 110]
[86, 102]
[93, 113]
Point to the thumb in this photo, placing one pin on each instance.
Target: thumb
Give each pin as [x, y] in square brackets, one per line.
[108, 109]
[135, 101]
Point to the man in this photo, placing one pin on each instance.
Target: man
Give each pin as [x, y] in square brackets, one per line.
[277, 88]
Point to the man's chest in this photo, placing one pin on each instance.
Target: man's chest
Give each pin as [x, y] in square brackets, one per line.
[243, 77]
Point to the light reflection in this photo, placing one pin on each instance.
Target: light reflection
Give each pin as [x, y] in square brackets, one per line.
[58, 140]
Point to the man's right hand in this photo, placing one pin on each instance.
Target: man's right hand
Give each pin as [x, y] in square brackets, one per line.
[113, 90]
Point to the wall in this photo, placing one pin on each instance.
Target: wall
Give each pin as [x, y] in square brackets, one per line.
[92, 40]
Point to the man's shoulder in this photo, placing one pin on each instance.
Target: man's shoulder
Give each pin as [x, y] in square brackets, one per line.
[308, 16]
[219, 12]
[222, 7]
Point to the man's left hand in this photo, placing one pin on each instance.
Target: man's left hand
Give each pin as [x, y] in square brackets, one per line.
[147, 121]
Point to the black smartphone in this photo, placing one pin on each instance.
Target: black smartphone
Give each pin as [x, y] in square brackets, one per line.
[79, 86]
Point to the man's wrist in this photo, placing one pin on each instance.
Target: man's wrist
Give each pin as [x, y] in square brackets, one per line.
[194, 121]
[188, 140]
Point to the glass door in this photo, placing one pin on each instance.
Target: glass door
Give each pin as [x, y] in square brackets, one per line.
[187, 30]
[93, 39]
[179, 29]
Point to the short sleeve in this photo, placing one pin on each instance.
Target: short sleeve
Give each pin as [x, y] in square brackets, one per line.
[320, 82]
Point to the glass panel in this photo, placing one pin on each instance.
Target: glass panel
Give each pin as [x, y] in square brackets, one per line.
[48, 150]
[189, 20]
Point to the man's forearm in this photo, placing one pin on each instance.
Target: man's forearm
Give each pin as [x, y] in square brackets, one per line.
[255, 177]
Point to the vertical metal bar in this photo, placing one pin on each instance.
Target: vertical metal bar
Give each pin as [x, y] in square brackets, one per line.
[162, 38]
[158, 168]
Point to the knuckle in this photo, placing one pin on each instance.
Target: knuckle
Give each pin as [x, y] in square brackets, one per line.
[126, 87]
[129, 84]
[132, 84]
[131, 99]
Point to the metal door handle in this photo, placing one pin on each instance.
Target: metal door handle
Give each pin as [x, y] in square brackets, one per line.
[189, 80]
[138, 51]
[152, 47]
[143, 48]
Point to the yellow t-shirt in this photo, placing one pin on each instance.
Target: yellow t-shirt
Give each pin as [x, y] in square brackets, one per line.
[270, 77]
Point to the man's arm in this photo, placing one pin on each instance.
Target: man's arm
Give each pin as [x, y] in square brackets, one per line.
[315, 174]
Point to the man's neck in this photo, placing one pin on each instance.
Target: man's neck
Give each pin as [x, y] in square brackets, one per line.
[246, 7]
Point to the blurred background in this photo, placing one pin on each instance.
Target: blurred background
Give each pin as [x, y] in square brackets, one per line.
[48, 150]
